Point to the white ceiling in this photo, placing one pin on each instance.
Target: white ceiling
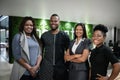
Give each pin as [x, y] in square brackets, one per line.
[87, 11]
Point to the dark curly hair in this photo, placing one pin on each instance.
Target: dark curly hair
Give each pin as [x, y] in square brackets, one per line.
[22, 24]
[102, 28]
[54, 15]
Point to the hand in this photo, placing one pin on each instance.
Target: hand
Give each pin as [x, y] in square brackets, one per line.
[32, 72]
[35, 68]
[100, 77]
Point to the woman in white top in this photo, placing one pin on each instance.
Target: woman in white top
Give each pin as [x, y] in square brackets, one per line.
[77, 54]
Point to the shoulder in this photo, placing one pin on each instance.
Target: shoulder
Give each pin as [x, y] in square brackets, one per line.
[86, 40]
[63, 33]
[45, 33]
[106, 48]
[17, 36]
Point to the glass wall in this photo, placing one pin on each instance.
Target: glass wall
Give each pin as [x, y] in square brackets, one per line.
[4, 36]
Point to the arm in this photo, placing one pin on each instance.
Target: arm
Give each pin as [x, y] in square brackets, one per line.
[115, 71]
[69, 57]
[16, 48]
[114, 74]
[89, 73]
[85, 53]
[27, 67]
[83, 57]
[115, 65]
[24, 64]
[33, 70]
[37, 66]
[39, 61]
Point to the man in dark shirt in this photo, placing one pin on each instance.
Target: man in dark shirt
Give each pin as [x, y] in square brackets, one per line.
[55, 43]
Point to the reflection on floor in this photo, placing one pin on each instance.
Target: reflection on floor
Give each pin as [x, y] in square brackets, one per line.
[5, 67]
[3, 54]
[5, 70]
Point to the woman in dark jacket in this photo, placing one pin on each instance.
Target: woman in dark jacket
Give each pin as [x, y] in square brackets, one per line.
[77, 54]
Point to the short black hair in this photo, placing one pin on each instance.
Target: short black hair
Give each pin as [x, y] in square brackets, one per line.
[55, 15]
[102, 28]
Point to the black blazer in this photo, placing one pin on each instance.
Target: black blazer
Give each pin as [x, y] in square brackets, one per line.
[83, 45]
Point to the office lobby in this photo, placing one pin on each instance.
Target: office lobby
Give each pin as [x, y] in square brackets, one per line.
[89, 12]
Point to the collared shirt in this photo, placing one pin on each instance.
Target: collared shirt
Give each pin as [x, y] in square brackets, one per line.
[99, 59]
[74, 47]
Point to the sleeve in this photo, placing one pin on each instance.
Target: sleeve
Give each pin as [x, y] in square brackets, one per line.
[16, 49]
[88, 44]
[42, 40]
[70, 44]
[111, 57]
[39, 51]
[67, 41]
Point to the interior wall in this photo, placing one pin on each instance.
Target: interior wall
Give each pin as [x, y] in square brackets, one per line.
[85, 11]
[118, 34]
[110, 35]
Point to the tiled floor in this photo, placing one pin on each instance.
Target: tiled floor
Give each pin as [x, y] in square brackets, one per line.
[5, 70]
[5, 67]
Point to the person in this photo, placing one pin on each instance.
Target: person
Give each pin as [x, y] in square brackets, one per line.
[26, 49]
[116, 49]
[110, 43]
[101, 55]
[55, 43]
[77, 54]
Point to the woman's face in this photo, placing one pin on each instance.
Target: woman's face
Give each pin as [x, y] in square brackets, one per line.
[28, 27]
[79, 31]
[98, 38]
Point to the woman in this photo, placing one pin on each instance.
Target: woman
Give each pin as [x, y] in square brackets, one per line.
[77, 54]
[101, 56]
[26, 51]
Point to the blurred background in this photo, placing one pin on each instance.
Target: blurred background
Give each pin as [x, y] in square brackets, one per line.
[89, 12]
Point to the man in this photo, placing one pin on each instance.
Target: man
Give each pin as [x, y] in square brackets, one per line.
[55, 42]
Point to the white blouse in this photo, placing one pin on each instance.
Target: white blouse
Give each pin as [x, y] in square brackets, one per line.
[74, 47]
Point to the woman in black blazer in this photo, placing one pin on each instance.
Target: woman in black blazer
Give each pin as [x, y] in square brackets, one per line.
[77, 54]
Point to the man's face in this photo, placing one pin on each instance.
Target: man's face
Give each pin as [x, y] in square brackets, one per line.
[54, 22]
